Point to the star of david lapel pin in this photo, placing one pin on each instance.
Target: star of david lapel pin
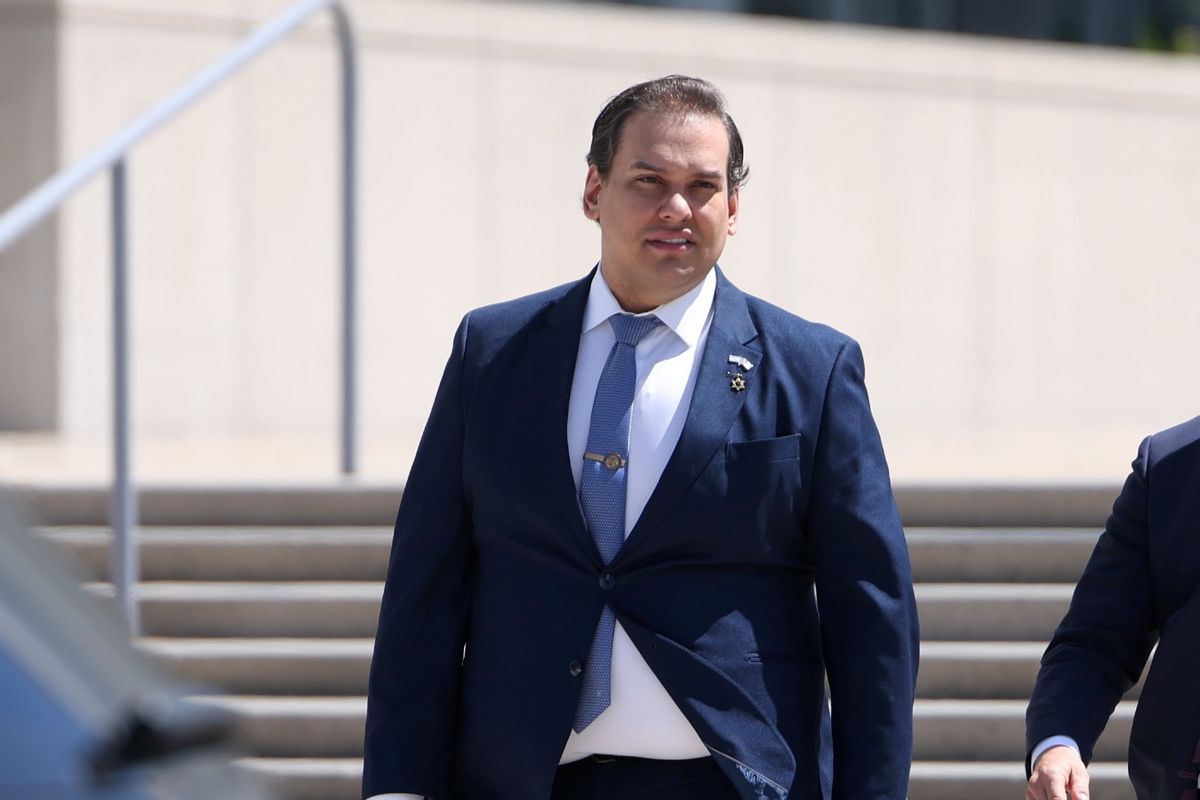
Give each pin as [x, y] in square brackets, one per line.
[737, 380]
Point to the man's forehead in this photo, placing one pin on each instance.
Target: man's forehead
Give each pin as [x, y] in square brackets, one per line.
[668, 140]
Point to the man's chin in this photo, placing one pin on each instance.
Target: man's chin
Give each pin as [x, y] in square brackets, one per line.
[674, 281]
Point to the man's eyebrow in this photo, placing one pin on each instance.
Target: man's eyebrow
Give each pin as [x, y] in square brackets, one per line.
[714, 174]
[646, 165]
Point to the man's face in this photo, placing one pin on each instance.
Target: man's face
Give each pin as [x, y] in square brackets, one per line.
[664, 209]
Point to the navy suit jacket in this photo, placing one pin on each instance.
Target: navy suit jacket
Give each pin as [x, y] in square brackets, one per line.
[770, 491]
[1142, 583]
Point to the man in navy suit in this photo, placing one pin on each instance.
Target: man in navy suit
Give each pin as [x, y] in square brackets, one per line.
[1141, 584]
[759, 549]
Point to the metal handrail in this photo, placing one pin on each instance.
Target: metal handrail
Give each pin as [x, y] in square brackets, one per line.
[111, 155]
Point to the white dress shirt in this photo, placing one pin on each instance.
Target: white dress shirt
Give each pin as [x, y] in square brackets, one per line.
[642, 719]
[1051, 741]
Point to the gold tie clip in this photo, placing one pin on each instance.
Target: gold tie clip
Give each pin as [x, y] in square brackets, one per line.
[612, 461]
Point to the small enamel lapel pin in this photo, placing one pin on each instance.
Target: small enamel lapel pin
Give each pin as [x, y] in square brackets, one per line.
[742, 362]
[737, 380]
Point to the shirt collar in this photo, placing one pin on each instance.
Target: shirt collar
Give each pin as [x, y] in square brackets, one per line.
[685, 315]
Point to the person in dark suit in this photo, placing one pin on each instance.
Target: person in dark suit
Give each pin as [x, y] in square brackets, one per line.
[1141, 584]
[602, 577]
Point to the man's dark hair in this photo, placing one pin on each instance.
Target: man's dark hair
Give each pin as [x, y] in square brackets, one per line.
[675, 94]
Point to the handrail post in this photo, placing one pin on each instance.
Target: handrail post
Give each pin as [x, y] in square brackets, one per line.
[123, 503]
[112, 155]
[349, 238]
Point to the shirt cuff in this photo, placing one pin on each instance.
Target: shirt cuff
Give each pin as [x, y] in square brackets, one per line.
[1051, 741]
[396, 797]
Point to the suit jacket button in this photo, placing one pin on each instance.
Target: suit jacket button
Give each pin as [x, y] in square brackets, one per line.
[575, 668]
[607, 581]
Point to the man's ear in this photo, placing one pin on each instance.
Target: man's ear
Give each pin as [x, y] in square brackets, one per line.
[591, 194]
[734, 201]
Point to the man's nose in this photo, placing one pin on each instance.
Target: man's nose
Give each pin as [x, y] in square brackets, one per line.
[675, 207]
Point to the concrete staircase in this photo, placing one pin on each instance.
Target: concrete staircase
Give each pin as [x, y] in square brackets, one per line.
[270, 597]
[989, 599]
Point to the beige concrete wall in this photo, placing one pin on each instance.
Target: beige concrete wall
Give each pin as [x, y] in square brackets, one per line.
[28, 154]
[1008, 228]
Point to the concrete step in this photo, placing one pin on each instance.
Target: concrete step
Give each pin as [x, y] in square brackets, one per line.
[295, 727]
[948, 611]
[307, 666]
[984, 671]
[361, 553]
[994, 730]
[963, 612]
[339, 779]
[1001, 780]
[268, 666]
[309, 778]
[1025, 555]
[991, 611]
[348, 501]
[238, 554]
[331, 667]
[1008, 506]
[334, 609]
[354, 501]
[944, 730]
[978, 670]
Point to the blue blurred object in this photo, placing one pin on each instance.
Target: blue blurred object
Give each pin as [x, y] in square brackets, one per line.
[82, 713]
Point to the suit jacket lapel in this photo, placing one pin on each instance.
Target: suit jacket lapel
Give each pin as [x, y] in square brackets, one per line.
[550, 368]
[714, 404]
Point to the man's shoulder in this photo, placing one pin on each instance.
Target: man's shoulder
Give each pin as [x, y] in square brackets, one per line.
[1184, 437]
[776, 324]
[508, 316]
[780, 320]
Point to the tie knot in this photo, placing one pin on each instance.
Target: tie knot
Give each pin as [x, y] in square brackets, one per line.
[630, 329]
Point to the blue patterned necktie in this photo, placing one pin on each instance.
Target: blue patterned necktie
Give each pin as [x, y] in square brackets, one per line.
[602, 492]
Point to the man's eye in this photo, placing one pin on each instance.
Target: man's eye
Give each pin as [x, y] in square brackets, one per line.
[648, 179]
[707, 185]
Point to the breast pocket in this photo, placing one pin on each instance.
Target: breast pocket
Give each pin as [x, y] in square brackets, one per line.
[762, 478]
[763, 451]
[749, 498]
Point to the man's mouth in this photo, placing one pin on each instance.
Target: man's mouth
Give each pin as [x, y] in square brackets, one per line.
[676, 242]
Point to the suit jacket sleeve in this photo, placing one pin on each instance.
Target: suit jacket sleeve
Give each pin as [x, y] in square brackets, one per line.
[413, 688]
[864, 591]
[1101, 645]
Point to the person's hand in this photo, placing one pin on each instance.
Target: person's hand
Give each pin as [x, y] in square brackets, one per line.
[1058, 774]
